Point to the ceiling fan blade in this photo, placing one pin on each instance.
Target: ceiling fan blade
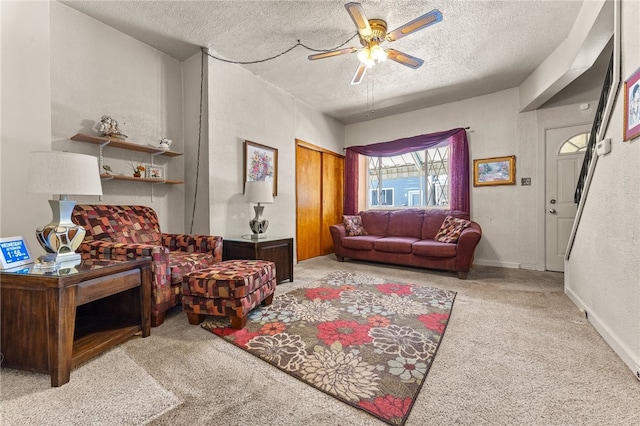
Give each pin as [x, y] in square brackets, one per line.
[417, 24]
[331, 53]
[359, 75]
[404, 59]
[356, 12]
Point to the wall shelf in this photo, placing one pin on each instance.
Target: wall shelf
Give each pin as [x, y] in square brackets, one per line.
[116, 143]
[140, 179]
[103, 141]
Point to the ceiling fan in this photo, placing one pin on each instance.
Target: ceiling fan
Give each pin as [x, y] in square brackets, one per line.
[372, 32]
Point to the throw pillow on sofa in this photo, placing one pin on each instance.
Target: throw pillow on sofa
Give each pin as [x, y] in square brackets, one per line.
[353, 226]
[451, 229]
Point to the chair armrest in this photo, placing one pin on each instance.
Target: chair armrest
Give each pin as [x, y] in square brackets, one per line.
[121, 251]
[194, 244]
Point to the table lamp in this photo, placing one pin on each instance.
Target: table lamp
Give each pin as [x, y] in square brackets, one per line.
[62, 173]
[259, 192]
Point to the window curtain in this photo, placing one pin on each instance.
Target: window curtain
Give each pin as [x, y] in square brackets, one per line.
[458, 169]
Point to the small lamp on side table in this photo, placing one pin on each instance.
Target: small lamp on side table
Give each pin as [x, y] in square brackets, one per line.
[259, 192]
[62, 173]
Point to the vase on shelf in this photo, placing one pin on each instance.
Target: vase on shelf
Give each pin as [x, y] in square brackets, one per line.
[137, 174]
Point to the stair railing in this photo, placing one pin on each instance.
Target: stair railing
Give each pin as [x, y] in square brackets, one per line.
[607, 100]
[595, 130]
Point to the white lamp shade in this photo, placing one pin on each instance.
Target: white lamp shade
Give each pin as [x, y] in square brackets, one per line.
[63, 173]
[259, 192]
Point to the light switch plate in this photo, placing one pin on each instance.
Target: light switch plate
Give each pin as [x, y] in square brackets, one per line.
[525, 181]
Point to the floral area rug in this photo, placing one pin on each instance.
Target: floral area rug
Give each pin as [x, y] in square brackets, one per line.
[367, 342]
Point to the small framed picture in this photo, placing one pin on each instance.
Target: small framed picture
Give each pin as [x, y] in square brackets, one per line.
[154, 171]
[632, 106]
[494, 171]
[14, 252]
[261, 163]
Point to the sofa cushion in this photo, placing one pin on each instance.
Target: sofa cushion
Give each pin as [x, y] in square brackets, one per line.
[353, 225]
[118, 224]
[360, 243]
[451, 229]
[406, 223]
[95, 220]
[434, 218]
[394, 244]
[434, 248]
[137, 224]
[181, 263]
[376, 222]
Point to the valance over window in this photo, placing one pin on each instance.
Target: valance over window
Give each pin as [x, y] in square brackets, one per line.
[458, 170]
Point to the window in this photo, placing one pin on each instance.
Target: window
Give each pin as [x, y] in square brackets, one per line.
[416, 179]
[575, 145]
[386, 197]
[415, 198]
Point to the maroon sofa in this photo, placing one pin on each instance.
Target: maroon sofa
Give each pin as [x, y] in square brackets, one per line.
[406, 237]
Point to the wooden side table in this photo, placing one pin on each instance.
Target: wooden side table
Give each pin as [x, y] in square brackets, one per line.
[276, 249]
[53, 321]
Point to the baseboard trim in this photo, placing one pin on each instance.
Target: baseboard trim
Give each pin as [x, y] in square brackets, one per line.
[607, 334]
[498, 263]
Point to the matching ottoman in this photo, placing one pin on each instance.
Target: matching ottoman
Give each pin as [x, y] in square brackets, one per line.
[230, 288]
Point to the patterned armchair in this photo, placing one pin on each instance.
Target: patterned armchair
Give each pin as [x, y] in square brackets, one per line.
[127, 232]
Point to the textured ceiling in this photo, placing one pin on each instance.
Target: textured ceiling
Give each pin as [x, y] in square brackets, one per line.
[481, 46]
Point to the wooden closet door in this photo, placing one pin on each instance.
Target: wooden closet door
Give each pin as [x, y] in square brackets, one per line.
[319, 189]
[309, 202]
[332, 199]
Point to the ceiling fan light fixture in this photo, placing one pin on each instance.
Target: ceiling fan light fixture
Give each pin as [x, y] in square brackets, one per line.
[377, 53]
[372, 55]
[364, 56]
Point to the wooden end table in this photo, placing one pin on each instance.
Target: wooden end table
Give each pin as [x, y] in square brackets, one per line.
[53, 321]
[276, 249]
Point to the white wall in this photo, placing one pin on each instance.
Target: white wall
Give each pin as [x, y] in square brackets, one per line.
[196, 144]
[244, 107]
[97, 70]
[512, 232]
[603, 272]
[26, 115]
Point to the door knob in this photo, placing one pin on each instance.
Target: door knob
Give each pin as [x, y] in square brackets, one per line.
[552, 201]
[552, 211]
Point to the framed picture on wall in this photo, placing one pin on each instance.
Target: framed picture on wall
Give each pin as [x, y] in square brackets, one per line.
[261, 163]
[632, 106]
[154, 171]
[494, 171]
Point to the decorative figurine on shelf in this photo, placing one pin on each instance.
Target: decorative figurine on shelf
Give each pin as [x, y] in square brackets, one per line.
[109, 128]
[165, 143]
[138, 169]
[107, 169]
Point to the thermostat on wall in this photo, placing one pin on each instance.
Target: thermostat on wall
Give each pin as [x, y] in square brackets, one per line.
[603, 147]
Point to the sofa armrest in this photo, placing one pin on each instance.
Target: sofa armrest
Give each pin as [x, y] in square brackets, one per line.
[467, 243]
[194, 244]
[338, 232]
[121, 251]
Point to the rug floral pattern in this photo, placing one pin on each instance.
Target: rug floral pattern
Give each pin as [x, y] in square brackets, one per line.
[366, 342]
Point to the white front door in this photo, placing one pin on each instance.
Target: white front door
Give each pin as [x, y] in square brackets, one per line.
[563, 170]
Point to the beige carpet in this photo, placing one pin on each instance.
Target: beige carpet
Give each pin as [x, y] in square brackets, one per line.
[517, 351]
[108, 390]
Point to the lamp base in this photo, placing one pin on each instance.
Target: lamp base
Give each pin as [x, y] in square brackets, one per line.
[61, 238]
[70, 258]
[257, 224]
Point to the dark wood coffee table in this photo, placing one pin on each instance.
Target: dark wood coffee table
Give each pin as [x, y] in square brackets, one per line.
[53, 321]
